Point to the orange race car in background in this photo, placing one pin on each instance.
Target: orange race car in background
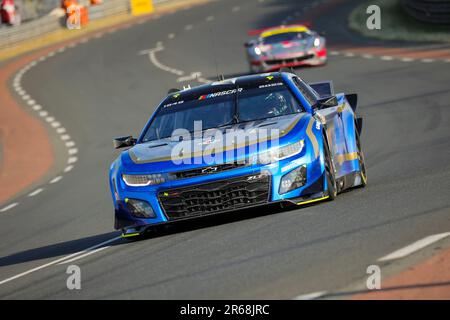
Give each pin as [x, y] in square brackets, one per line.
[285, 46]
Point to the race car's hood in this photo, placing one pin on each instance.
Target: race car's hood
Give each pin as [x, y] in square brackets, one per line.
[165, 150]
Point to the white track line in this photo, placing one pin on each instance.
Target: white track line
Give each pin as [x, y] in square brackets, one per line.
[384, 57]
[41, 112]
[72, 160]
[387, 58]
[311, 296]
[416, 246]
[8, 207]
[70, 144]
[35, 192]
[152, 56]
[84, 255]
[55, 124]
[192, 76]
[55, 179]
[58, 261]
[65, 137]
[203, 80]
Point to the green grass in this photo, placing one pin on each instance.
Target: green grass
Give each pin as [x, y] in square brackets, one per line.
[396, 24]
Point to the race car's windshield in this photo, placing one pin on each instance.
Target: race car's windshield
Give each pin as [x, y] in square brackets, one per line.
[219, 109]
[287, 36]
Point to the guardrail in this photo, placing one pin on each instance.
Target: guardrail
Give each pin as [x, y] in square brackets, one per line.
[429, 11]
[13, 36]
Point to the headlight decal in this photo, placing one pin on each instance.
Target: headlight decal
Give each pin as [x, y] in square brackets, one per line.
[281, 153]
[140, 209]
[293, 180]
[143, 180]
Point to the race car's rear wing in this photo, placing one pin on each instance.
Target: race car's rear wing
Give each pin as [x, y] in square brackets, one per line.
[257, 32]
[324, 89]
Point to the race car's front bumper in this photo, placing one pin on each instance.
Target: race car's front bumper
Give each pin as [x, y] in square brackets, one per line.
[245, 187]
[310, 58]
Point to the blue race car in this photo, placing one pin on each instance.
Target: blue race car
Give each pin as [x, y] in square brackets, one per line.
[235, 144]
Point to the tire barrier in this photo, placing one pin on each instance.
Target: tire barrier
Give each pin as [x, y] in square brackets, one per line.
[428, 11]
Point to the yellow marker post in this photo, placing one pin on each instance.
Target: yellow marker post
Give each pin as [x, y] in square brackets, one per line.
[139, 7]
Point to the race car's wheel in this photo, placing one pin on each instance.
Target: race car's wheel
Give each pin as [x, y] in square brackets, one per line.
[362, 164]
[329, 172]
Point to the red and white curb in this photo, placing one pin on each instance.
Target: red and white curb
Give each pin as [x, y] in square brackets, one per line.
[369, 56]
[72, 150]
[50, 120]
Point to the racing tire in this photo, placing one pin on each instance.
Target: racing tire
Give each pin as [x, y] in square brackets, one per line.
[362, 164]
[329, 172]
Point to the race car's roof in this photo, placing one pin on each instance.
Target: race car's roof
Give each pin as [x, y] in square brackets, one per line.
[242, 81]
[283, 29]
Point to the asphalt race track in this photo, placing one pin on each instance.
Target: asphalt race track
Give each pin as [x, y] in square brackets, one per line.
[109, 87]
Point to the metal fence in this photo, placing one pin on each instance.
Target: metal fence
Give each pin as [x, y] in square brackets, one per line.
[429, 11]
[13, 36]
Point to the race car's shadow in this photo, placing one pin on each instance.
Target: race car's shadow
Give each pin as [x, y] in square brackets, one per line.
[201, 222]
[208, 221]
[71, 247]
[59, 249]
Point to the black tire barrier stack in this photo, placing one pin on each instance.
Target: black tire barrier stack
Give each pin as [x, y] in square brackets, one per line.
[428, 11]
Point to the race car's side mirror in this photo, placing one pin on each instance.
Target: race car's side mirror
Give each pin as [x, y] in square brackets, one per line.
[327, 102]
[123, 142]
[249, 44]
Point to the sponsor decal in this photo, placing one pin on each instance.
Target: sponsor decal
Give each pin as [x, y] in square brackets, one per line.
[220, 94]
[208, 170]
[173, 104]
[317, 125]
[270, 85]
